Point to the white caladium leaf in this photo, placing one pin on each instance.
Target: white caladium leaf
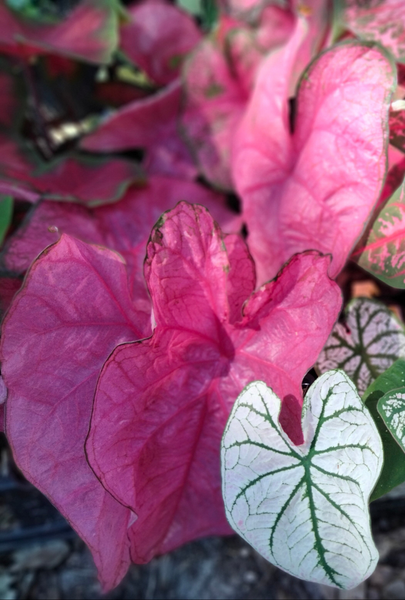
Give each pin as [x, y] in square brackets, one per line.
[371, 340]
[305, 508]
[392, 410]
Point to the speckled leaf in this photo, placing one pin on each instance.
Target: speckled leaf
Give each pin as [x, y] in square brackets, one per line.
[393, 471]
[380, 21]
[371, 340]
[392, 409]
[383, 254]
[305, 508]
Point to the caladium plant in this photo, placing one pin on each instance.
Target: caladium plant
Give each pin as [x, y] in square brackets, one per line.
[121, 426]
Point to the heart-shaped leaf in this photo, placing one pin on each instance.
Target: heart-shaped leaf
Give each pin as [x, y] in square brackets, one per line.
[393, 471]
[371, 340]
[305, 508]
[331, 146]
[383, 254]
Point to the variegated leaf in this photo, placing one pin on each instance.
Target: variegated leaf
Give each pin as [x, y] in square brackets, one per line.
[392, 410]
[305, 508]
[393, 471]
[371, 340]
[383, 254]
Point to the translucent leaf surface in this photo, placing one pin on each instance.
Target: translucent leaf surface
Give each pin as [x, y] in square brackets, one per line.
[371, 340]
[330, 169]
[73, 309]
[305, 508]
[161, 404]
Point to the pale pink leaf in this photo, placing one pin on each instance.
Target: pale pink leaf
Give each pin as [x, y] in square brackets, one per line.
[73, 309]
[330, 170]
[161, 404]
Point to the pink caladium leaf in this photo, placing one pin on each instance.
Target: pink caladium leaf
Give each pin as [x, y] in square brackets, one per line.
[330, 169]
[380, 21]
[168, 397]
[158, 38]
[383, 250]
[149, 124]
[75, 179]
[89, 32]
[124, 226]
[73, 309]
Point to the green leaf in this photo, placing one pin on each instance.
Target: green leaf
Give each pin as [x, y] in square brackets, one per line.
[6, 213]
[383, 254]
[191, 6]
[372, 340]
[393, 472]
[304, 508]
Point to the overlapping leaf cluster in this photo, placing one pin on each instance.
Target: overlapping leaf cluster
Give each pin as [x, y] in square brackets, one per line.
[186, 189]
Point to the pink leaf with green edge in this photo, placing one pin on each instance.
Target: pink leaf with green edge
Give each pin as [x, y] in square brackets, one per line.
[158, 38]
[124, 226]
[150, 124]
[87, 181]
[89, 33]
[178, 387]
[72, 310]
[330, 170]
[380, 21]
[383, 253]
